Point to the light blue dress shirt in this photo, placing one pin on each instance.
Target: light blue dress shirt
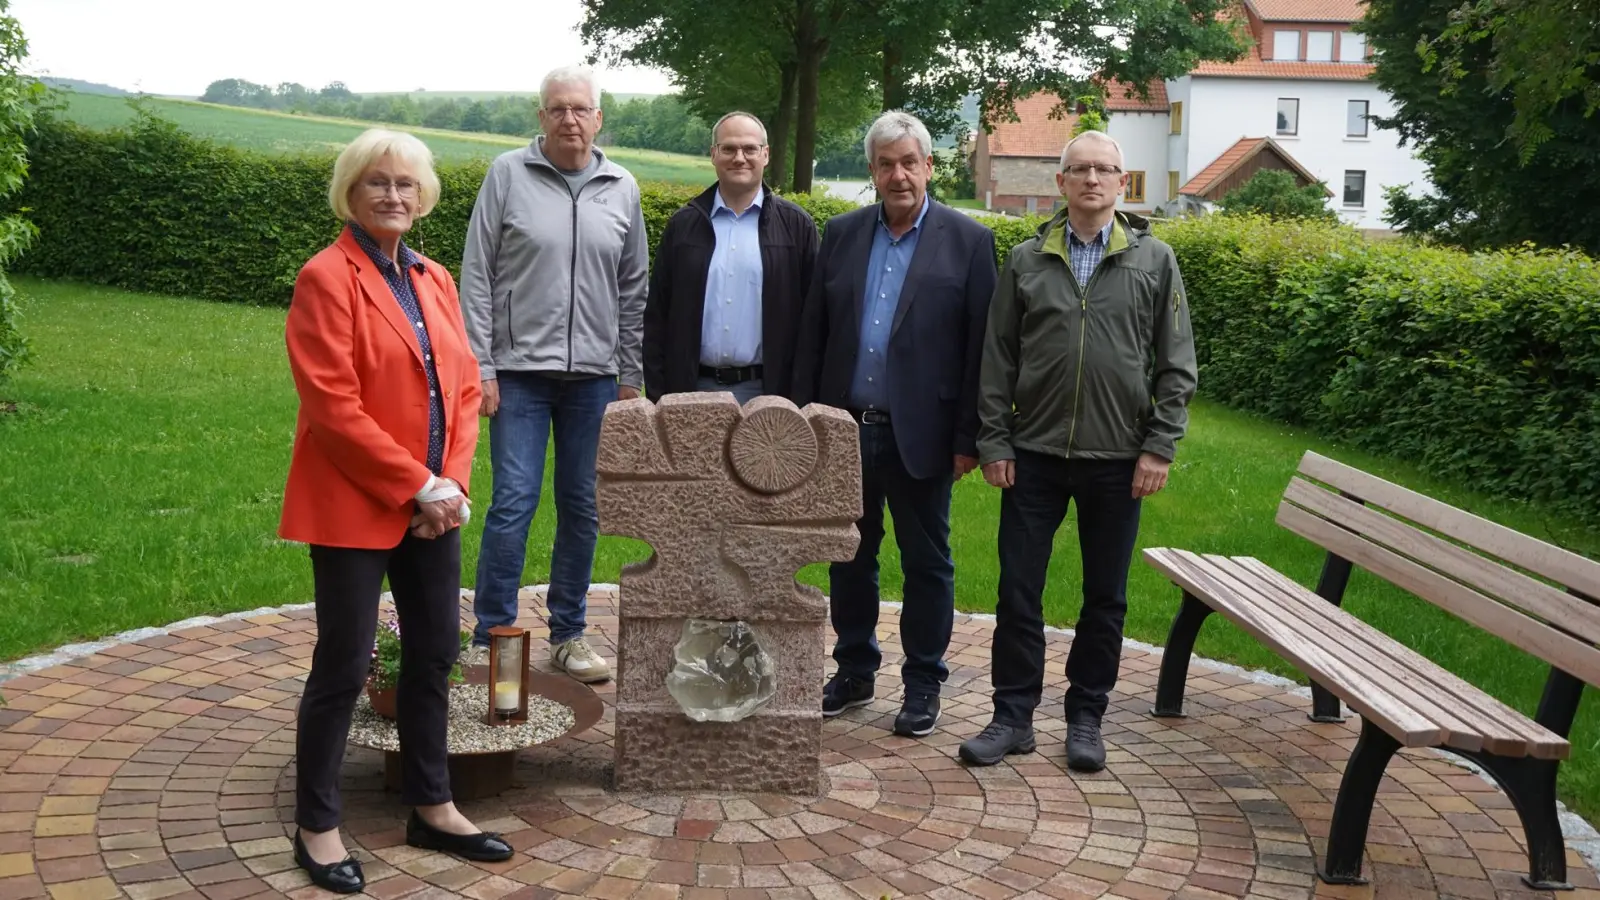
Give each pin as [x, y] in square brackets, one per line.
[886, 275]
[730, 330]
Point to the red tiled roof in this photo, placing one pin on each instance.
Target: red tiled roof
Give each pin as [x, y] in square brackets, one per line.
[1253, 66]
[1035, 134]
[1307, 10]
[1236, 156]
[1121, 97]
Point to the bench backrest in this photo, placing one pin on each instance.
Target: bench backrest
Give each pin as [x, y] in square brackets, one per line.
[1410, 539]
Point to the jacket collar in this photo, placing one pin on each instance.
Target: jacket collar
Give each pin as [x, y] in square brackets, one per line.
[706, 199]
[1127, 230]
[534, 156]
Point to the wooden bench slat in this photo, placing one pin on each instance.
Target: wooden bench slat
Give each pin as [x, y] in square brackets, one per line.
[1565, 611]
[1506, 731]
[1464, 727]
[1571, 655]
[1365, 696]
[1563, 566]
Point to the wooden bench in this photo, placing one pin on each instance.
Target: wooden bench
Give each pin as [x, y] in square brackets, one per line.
[1535, 596]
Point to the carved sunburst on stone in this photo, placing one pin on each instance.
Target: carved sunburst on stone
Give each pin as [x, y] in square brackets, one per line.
[773, 449]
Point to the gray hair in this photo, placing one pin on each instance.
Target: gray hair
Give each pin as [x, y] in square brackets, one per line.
[571, 75]
[1092, 135]
[736, 114]
[896, 125]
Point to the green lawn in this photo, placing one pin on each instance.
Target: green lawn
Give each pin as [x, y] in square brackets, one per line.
[140, 483]
[275, 132]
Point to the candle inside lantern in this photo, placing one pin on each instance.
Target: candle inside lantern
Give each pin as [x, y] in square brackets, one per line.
[507, 697]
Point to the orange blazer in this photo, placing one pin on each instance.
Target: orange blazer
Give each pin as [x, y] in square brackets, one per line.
[361, 439]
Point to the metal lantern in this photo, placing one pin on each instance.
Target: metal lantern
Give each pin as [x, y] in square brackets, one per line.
[508, 675]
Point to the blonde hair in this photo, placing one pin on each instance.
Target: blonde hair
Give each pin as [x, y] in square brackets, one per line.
[369, 147]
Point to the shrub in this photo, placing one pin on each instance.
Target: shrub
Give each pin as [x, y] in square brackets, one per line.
[1275, 193]
[19, 97]
[1484, 367]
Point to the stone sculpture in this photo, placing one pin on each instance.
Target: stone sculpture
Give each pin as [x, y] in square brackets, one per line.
[720, 652]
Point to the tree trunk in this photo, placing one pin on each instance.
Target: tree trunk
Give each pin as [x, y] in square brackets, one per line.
[805, 136]
[894, 81]
[782, 126]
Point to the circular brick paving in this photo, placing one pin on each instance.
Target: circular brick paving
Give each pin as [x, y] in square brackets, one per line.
[165, 769]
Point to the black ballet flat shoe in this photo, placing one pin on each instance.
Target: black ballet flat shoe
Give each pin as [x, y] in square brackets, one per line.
[485, 846]
[342, 877]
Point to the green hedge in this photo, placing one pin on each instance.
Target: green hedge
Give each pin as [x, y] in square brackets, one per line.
[1484, 368]
[151, 208]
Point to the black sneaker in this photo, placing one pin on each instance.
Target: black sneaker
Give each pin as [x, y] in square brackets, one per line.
[917, 716]
[995, 742]
[844, 692]
[1086, 752]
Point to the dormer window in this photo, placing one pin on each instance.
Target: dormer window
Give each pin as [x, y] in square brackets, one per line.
[1286, 45]
[1319, 46]
[1352, 47]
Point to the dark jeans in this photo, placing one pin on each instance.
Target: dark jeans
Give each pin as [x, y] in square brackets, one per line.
[425, 577]
[921, 511]
[531, 407]
[1108, 524]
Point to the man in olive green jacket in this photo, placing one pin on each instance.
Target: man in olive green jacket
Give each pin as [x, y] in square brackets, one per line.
[1088, 368]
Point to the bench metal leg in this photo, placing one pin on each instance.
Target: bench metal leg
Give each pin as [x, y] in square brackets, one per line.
[1352, 812]
[1325, 707]
[1175, 658]
[1531, 785]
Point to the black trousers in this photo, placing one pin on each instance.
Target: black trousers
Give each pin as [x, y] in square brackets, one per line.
[425, 578]
[1031, 511]
[921, 511]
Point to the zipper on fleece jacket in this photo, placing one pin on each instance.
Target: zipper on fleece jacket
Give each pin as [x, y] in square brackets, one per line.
[1083, 331]
[572, 270]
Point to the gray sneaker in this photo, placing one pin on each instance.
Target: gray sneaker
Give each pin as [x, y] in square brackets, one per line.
[578, 659]
[1086, 752]
[995, 742]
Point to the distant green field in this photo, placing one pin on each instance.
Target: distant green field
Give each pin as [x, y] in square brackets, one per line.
[272, 132]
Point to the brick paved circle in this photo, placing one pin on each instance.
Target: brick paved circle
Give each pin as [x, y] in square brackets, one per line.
[165, 769]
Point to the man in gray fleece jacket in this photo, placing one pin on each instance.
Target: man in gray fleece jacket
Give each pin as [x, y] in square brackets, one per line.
[553, 284]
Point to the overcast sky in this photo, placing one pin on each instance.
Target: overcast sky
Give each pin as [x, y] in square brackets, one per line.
[180, 46]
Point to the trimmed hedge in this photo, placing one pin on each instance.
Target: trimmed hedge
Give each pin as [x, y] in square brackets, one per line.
[1483, 368]
[152, 208]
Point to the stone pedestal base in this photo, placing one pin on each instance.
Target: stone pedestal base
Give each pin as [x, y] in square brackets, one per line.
[771, 752]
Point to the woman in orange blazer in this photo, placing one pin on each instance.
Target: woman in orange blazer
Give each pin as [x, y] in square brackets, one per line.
[383, 448]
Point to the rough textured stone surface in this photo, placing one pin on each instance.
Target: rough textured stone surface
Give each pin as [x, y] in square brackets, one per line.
[733, 501]
[663, 750]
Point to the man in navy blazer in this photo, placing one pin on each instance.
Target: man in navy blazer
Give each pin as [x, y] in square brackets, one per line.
[892, 331]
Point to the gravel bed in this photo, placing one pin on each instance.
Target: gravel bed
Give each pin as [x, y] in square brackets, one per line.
[547, 720]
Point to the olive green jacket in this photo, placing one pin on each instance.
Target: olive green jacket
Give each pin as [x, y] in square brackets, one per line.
[1102, 372]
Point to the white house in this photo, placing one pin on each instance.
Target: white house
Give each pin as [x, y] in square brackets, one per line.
[1301, 99]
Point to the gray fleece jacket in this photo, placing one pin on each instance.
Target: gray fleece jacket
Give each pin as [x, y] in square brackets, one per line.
[551, 282]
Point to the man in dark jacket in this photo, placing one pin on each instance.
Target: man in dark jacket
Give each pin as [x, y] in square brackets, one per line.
[892, 332]
[731, 273]
[1088, 368]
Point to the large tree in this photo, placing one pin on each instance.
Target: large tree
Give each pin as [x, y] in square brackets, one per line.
[1489, 187]
[923, 55]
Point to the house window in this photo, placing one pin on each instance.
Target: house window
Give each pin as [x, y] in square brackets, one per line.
[1319, 46]
[1355, 187]
[1288, 115]
[1172, 185]
[1286, 45]
[1177, 118]
[1352, 47]
[1135, 192]
[1355, 118]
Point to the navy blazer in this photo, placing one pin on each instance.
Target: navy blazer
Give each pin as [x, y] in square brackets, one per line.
[935, 341]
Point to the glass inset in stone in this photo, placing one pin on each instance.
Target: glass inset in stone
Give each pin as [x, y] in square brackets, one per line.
[721, 672]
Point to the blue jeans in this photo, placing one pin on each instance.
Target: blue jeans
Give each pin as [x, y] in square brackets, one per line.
[921, 511]
[531, 406]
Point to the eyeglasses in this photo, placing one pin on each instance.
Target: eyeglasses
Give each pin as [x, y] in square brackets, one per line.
[733, 150]
[580, 113]
[1081, 170]
[380, 187]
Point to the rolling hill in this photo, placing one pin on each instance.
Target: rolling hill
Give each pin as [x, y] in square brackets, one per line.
[275, 132]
